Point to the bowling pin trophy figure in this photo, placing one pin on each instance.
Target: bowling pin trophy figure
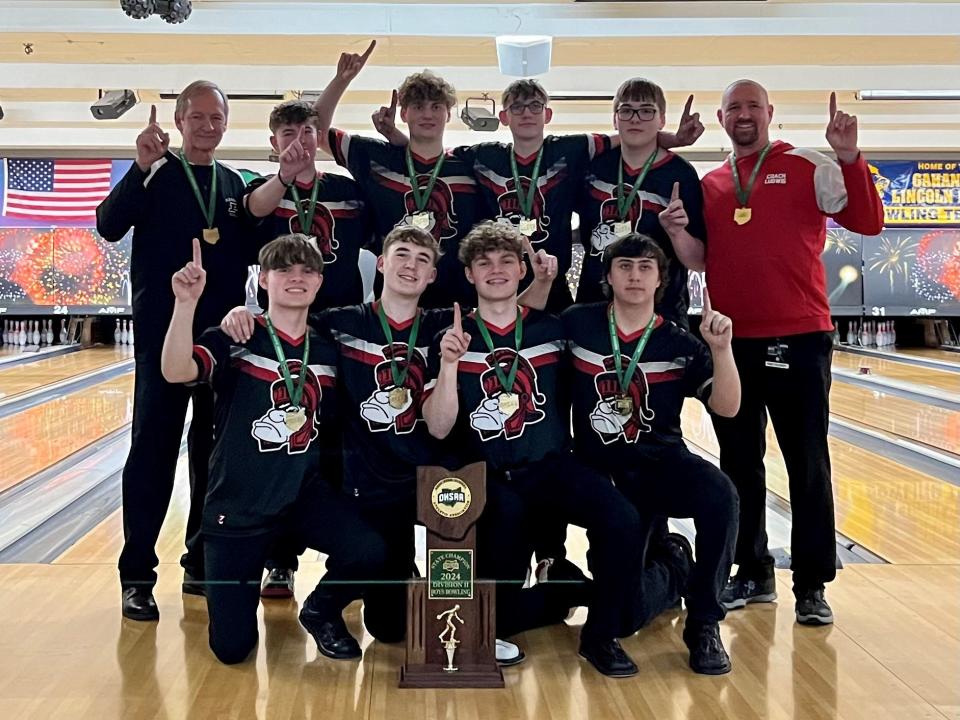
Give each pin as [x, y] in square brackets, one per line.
[448, 602]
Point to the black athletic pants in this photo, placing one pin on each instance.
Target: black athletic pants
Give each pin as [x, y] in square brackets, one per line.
[798, 400]
[671, 481]
[159, 411]
[322, 520]
[558, 486]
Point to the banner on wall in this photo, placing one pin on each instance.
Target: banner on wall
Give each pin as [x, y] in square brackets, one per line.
[918, 193]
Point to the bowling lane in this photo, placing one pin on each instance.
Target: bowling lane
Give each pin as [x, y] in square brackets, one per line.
[910, 419]
[34, 439]
[902, 515]
[30, 376]
[926, 378]
[933, 354]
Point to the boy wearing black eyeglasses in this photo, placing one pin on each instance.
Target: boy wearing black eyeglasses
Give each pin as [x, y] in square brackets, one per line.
[642, 187]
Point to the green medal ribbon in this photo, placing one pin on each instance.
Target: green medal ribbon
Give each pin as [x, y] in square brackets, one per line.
[743, 195]
[399, 377]
[306, 217]
[421, 195]
[626, 377]
[623, 204]
[208, 210]
[506, 381]
[295, 392]
[526, 201]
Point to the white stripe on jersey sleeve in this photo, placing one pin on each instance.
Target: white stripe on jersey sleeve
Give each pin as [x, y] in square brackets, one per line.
[827, 180]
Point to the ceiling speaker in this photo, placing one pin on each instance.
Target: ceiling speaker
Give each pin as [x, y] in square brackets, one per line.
[524, 55]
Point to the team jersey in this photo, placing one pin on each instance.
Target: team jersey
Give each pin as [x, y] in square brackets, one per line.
[258, 464]
[382, 444]
[340, 227]
[165, 216]
[452, 207]
[599, 213]
[564, 162]
[766, 274]
[510, 438]
[674, 365]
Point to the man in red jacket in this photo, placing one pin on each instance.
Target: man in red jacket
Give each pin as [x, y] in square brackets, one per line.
[766, 211]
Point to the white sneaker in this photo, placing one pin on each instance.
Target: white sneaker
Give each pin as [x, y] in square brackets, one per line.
[509, 654]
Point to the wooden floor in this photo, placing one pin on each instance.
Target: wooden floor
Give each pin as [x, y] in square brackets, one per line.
[31, 376]
[933, 354]
[923, 377]
[894, 651]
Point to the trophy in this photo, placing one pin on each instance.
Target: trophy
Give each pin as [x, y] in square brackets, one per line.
[449, 602]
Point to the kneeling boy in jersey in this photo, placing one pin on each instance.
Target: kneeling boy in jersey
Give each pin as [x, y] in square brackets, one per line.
[632, 371]
[499, 382]
[274, 397]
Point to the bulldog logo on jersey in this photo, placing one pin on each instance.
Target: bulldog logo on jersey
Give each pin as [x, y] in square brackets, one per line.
[607, 417]
[493, 417]
[442, 217]
[604, 233]
[322, 228]
[380, 413]
[270, 430]
[511, 213]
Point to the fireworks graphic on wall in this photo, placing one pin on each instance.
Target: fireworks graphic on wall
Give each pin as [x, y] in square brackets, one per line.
[894, 256]
[936, 274]
[841, 242]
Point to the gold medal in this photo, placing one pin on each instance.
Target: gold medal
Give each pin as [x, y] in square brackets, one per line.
[399, 397]
[294, 418]
[741, 216]
[621, 229]
[623, 404]
[528, 226]
[211, 235]
[420, 220]
[509, 403]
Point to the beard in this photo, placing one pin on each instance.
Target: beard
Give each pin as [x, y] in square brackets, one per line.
[745, 136]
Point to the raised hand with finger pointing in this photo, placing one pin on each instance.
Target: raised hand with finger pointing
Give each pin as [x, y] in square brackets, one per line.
[351, 64]
[544, 264]
[152, 142]
[455, 341]
[716, 328]
[188, 282]
[673, 218]
[842, 132]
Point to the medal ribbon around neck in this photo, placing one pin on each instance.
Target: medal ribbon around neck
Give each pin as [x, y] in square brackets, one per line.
[506, 381]
[399, 376]
[421, 195]
[626, 376]
[208, 210]
[526, 201]
[743, 195]
[296, 393]
[623, 204]
[306, 216]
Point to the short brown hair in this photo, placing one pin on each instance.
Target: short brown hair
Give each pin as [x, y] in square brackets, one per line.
[414, 236]
[195, 88]
[524, 90]
[426, 87]
[490, 236]
[287, 250]
[636, 245]
[292, 112]
[641, 89]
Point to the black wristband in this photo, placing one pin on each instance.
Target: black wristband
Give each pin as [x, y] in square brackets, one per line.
[286, 185]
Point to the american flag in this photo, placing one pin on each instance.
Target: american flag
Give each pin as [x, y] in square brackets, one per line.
[54, 189]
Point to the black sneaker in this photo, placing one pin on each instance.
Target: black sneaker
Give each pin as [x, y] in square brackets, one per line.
[812, 608]
[740, 591]
[707, 654]
[676, 550]
[608, 657]
[331, 634]
[138, 604]
[277, 584]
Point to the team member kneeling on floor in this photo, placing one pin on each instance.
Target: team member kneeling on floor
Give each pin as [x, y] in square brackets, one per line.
[274, 395]
[499, 390]
[632, 371]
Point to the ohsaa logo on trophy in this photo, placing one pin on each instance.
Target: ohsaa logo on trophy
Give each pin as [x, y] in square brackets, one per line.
[450, 497]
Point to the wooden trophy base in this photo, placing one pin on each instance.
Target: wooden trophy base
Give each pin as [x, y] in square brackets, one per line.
[466, 676]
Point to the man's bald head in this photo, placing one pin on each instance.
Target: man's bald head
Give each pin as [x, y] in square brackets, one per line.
[745, 113]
